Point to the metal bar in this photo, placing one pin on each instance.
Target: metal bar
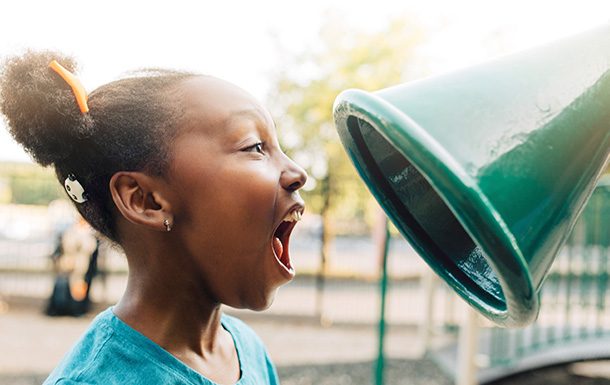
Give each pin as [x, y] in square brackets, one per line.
[569, 282]
[385, 240]
[602, 280]
[428, 283]
[467, 349]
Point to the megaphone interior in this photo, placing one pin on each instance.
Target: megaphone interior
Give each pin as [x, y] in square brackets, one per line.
[485, 170]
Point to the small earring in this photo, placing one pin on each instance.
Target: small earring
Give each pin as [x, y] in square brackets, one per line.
[166, 223]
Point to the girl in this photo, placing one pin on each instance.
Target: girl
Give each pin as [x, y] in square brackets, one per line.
[185, 173]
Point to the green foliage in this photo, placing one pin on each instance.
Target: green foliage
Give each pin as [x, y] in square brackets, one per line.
[303, 98]
[29, 184]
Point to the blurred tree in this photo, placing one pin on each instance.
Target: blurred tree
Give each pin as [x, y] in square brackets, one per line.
[28, 184]
[302, 103]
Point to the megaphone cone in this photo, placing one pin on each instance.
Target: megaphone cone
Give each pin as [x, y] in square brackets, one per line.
[486, 169]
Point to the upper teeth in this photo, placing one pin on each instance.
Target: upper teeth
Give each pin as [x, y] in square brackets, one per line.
[294, 216]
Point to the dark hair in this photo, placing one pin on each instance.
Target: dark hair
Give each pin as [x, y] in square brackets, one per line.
[129, 126]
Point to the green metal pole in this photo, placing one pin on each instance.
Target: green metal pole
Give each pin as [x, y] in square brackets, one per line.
[383, 283]
[602, 280]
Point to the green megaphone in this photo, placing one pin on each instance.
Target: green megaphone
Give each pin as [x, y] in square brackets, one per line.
[486, 169]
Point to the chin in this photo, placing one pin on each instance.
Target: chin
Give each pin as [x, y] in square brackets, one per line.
[265, 302]
[260, 303]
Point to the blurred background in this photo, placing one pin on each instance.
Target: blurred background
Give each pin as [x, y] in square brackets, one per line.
[352, 315]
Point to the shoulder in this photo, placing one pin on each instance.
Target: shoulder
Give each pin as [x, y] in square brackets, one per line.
[85, 352]
[112, 352]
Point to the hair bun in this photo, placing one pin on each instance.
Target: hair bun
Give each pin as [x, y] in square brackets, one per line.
[40, 108]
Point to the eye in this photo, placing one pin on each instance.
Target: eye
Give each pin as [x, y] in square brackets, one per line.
[258, 147]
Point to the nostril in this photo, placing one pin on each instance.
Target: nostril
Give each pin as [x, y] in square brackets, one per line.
[296, 185]
[301, 180]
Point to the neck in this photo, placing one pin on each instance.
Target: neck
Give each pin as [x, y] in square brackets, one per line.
[174, 322]
[168, 301]
[166, 305]
[185, 329]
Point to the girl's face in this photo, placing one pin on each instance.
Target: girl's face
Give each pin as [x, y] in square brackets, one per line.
[231, 188]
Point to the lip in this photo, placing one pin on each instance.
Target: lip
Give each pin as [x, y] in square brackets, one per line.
[283, 231]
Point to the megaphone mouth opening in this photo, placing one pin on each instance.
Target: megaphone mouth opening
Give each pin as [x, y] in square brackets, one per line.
[426, 219]
[436, 208]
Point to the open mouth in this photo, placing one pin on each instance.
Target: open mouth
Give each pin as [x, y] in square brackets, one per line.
[281, 238]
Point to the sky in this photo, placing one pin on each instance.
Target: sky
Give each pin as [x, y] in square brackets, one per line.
[237, 40]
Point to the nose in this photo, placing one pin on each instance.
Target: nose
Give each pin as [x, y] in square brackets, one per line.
[294, 176]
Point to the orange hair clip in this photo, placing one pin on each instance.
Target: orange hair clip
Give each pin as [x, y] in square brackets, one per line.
[77, 87]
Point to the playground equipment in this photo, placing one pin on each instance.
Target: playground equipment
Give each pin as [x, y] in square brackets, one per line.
[486, 170]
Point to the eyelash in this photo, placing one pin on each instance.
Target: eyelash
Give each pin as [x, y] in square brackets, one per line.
[258, 147]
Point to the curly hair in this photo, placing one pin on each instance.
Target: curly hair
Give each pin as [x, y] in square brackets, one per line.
[129, 127]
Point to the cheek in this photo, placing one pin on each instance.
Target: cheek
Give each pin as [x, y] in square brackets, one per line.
[250, 192]
[231, 208]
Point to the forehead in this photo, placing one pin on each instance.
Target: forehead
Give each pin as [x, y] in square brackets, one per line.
[213, 104]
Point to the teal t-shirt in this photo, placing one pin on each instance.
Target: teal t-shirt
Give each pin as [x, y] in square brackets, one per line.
[111, 352]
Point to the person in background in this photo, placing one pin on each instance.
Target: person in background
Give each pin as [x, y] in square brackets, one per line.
[74, 264]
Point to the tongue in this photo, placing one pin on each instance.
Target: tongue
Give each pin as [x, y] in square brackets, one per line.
[278, 248]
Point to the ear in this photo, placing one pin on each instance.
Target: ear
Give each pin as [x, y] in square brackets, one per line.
[138, 199]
